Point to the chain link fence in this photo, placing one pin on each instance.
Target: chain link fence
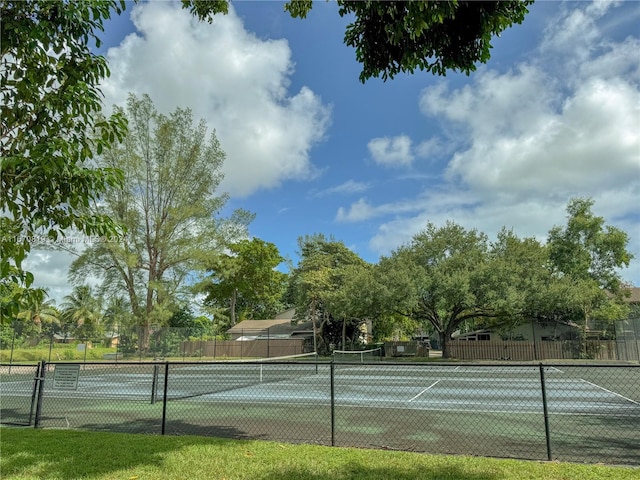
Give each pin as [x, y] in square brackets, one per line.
[565, 412]
[19, 342]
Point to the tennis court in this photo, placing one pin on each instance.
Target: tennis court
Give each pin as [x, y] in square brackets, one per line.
[493, 410]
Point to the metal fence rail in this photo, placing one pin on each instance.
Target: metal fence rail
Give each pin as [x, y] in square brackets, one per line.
[567, 412]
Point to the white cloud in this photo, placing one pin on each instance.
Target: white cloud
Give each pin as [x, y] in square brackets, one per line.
[362, 210]
[50, 269]
[228, 76]
[431, 148]
[564, 124]
[392, 152]
[358, 211]
[347, 188]
[593, 143]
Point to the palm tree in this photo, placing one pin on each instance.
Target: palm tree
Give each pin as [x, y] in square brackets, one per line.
[39, 311]
[117, 316]
[82, 310]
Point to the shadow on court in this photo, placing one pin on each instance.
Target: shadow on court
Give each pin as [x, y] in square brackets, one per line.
[615, 438]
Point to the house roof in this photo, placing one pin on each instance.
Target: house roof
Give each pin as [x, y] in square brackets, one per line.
[287, 314]
[282, 326]
[635, 295]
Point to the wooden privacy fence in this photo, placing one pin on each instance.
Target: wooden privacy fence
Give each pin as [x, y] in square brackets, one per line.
[544, 350]
[405, 349]
[262, 348]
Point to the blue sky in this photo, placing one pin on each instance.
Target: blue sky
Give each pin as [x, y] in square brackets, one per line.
[555, 114]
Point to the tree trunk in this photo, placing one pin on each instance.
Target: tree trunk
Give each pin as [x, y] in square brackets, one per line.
[315, 330]
[344, 334]
[232, 307]
[444, 344]
[143, 338]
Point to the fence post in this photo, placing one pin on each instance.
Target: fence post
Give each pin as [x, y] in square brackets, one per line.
[154, 384]
[164, 397]
[40, 379]
[333, 405]
[546, 412]
[34, 394]
[13, 339]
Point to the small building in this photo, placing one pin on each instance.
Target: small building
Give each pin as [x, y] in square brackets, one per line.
[541, 331]
[270, 329]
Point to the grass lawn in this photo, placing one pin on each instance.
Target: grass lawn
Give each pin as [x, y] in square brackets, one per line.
[67, 454]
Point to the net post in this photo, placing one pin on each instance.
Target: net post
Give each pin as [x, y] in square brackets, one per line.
[546, 412]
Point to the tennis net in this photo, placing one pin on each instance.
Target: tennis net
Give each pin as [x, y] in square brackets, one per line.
[198, 379]
[357, 356]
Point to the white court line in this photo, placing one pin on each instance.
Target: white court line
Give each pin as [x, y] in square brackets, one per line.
[430, 386]
[609, 391]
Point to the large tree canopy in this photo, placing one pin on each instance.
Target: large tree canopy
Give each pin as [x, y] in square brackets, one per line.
[169, 206]
[51, 126]
[394, 37]
[443, 278]
[319, 287]
[244, 282]
[586, 255]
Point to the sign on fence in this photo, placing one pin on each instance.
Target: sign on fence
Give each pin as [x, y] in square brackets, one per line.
[65, 377]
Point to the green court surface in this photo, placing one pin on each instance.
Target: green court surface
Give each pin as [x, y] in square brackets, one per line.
[593, 413]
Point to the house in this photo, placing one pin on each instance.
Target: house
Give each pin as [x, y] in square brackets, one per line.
[541, 331]
[634, 296]
[288, 314]
[270, 329]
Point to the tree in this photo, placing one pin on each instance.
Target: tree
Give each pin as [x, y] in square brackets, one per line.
[50, 126]
[399, 36]
[355, 301]
[527, 291]
[315, 288]
[40, 312]
[587, 255]
[586, 249]
[117, 313]
[82, 312]
[245, 280]
[442, 278]
[168, 205]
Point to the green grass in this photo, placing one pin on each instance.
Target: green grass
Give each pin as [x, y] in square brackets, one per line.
[64, 454]
[59, 353]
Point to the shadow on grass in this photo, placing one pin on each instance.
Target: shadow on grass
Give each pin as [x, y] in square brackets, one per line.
[360, 471]
[49, 454]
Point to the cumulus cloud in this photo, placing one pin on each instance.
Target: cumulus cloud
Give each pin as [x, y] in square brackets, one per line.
[236, 81]
[362, 210]
[565, 123]
[391, 151]
[358, 211]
